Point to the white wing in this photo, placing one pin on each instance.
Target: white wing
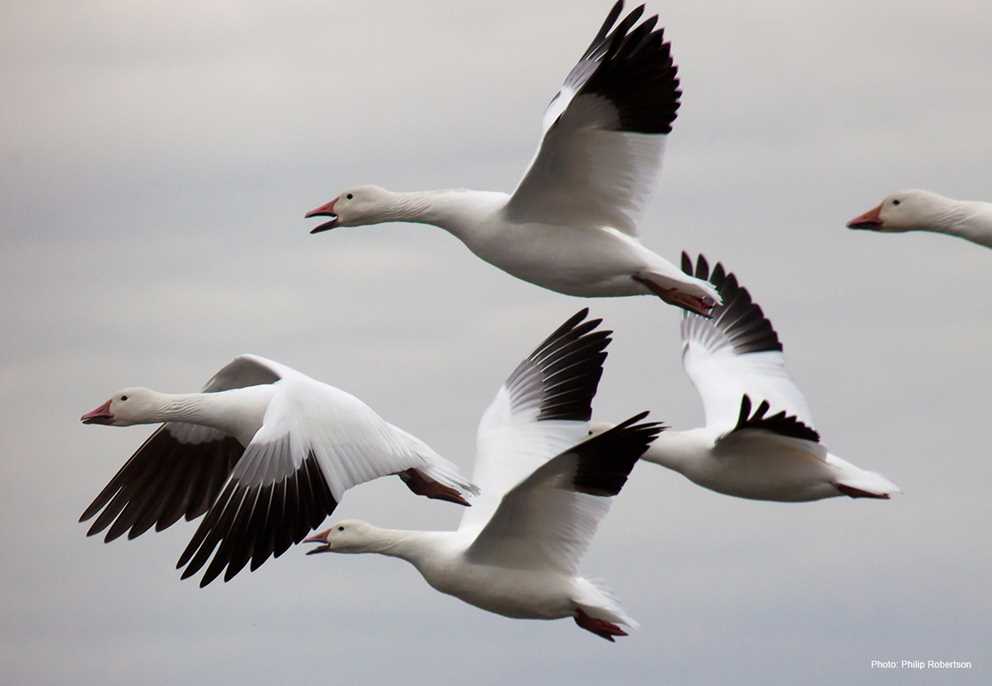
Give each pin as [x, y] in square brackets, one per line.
[736, 363]
[604, 131]
[542, 409]
[316, 442]
[548, 521]
[180, 469]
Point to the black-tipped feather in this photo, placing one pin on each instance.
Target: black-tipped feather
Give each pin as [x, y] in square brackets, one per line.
[561, 376]
[250, 523]
[739, 319]
[605, 461]
[164, 480]
[779, 423]
[633, 68]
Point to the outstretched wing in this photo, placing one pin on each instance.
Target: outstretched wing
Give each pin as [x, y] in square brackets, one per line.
[179, 470]
[316, 442]
[274, 496]
[736, 353]
[542, 409]
[779, 423]
[604, 131]
[548, 521]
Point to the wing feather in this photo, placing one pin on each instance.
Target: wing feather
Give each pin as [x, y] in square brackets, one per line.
[736, 353]
[604, 131]
[543, 408]
[548, 520]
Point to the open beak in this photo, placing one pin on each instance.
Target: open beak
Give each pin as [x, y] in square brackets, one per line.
[100, 415]
[324, 211]
[319, 538]
[872, 219]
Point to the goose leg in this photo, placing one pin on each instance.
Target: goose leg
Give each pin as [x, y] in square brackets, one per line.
[600, 627]
[421, 484]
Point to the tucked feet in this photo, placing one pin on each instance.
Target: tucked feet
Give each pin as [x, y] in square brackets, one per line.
[673, 296]
[852, 492]
[600, 627]
[421, 484]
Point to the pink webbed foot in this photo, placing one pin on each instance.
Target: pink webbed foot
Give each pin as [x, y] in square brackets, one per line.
[702, 306]
[421, 484]
[600, 627]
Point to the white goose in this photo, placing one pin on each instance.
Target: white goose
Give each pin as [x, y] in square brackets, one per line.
[758, 441]
[544, 491]
[571, 224]
[916, 210]
[266, 451]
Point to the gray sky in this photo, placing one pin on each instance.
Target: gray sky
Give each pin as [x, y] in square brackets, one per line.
[157, 159]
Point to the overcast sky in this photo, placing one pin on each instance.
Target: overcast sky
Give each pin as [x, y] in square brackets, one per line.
[156, 159]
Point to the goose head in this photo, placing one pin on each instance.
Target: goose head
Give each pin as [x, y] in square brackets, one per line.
[126, 407]
[905, 211]
[355, 207]
[596, 428]
[347, 536]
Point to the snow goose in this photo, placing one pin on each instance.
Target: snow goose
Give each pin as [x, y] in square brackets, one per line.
[265, 451]
[916, 210]
[758, 441]
[570, 226]
[544, 491]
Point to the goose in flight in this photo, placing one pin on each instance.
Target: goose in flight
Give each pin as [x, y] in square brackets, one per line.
[545, 487]
[571, 224]
[265, 451]
[917, 210]
[758, 441]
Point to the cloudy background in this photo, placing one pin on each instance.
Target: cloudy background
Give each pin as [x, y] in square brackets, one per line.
[156, 159]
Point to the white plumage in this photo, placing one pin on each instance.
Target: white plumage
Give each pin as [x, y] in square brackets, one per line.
[545, 487]
[265, 451]
[916, 210]
[758, 441]
[571, 224]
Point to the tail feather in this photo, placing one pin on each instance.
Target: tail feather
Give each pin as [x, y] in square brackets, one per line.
[436, 467]
[857, 482]
[597, 600]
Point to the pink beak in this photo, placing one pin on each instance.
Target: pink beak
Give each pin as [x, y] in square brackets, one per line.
[872, 219]
[319, 538]
[100, 415]
[326, 210]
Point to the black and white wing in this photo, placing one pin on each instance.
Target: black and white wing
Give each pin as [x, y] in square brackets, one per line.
[542, 409]
[315, 443]
[548, 520]
[604, 131]
[179, 470]
[735, 361]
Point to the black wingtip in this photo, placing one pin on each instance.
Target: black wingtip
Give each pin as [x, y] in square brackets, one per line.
[606, 460]
[779, 423]
[739, 318]
[631, 65]
[561, 376]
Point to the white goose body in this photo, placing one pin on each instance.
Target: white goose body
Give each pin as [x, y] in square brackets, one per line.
[762, 466]
[757, 442]
[571, 224]
[265, 451]
[918, 210]
[544, 491]
[574, 259]
[441, 558]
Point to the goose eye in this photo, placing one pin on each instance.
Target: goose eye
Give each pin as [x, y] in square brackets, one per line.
[896, 202]
[349, 196]
[340, 528]
[123, 397]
